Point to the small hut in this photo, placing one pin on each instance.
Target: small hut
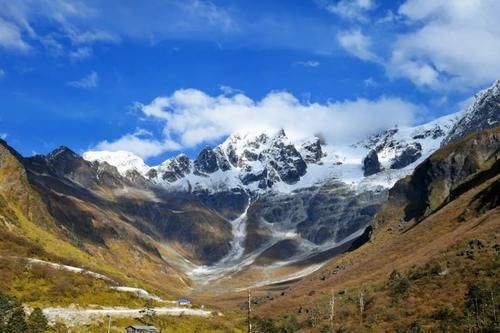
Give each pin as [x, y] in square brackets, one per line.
[141, 329]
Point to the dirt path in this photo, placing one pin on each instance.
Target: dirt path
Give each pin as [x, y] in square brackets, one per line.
[76, 316]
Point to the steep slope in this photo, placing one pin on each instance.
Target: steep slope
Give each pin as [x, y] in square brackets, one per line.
[451, 250]
[93, 200]
[64, 210]
[481, 114]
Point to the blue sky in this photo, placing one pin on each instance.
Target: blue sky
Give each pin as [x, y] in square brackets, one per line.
[158, 77]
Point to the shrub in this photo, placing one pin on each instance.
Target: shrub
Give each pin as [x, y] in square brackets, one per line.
[37, 322]
[12, 316]
[398, 285]
[431, 268]
[290, 324]
[449, 319]
[414, 327]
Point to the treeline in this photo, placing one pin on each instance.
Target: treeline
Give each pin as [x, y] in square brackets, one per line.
[13, 318]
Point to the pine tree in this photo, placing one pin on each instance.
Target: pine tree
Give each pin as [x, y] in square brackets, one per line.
[37, 322]
[17, 321]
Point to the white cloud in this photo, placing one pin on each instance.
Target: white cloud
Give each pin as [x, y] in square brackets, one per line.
[356, 43]
[451, 44]
[350, 9]
[228, 90]
[370, 82]
[3, 136]
[140, 143]
[10, 36]
[308, 63]
[81, 53]
[20, 23]
[2, 73]
[87, 82]
[192, 117]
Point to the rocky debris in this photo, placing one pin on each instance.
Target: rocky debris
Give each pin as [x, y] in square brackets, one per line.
[408, 155]
[371, 164]
[320, 215]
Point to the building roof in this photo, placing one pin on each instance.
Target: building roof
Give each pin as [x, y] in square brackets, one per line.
[144, 328]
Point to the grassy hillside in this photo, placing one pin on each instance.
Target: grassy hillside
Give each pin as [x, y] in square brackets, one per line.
[438, 272]
[27, 230]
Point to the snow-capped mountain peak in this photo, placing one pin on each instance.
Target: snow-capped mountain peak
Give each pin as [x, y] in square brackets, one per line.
[124, 161]
[261, 162]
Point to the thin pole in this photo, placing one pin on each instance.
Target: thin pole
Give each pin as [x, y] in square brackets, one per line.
[249, 313]
[332, 309]
[109, 324]
[361, 306]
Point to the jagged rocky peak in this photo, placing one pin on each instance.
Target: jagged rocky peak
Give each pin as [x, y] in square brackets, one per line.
[172, 169]
[268, 159]
[210, 160]
[311, 150]
[62, 160]
[483, 113]
[62, 153]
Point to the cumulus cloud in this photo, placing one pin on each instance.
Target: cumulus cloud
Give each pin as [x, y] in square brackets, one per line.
[356, 43]
[191, 118]
[451, 43]
[89, 81]
[140, 143]
[3, 136]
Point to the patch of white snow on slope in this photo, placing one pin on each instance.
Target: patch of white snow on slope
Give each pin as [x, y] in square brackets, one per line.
[138, 292]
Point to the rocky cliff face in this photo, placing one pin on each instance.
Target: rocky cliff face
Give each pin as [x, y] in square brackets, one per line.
[483, 113]
[452, 170]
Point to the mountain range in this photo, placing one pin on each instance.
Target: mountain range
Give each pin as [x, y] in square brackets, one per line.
[258, 209]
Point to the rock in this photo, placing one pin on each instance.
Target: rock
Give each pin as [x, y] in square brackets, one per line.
[176, 168]
[371, 164]
[311, 151]
[483, 113]
[206, 162]
[408, 155]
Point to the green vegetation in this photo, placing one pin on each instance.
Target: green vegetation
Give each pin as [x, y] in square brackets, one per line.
[167, 324]
[13, 318]
[38, 285]
[398, 285]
